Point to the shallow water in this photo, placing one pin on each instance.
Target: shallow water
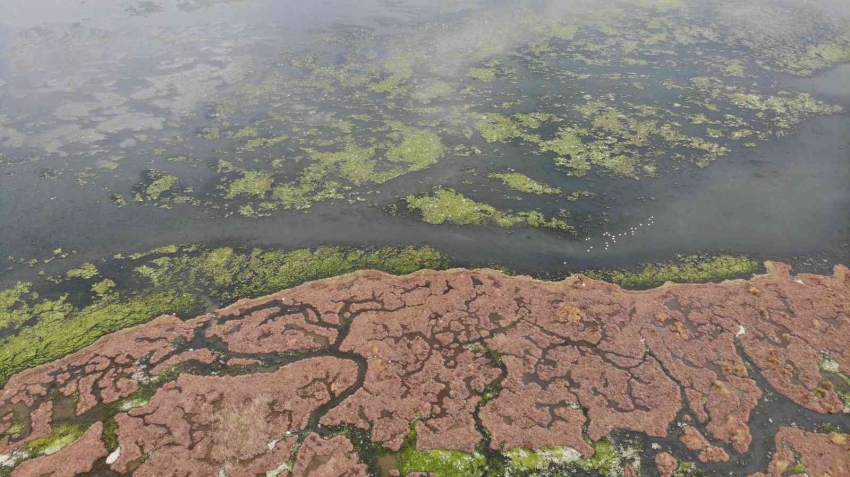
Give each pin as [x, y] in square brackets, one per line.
[94, 94]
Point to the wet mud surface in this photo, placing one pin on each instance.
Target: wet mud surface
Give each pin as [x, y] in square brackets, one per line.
[367, 373]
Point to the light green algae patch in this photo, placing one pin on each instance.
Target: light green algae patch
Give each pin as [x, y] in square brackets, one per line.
[42, 331]
[84, 271]
[420, 149]
[523, 183]
[482, 74]
[354, 163]
[448, 206]
[61, 436]
[444, 463]
[689, 269]
[259, 142]
[520, 459]
[608, 460]
[158, 183]
[495, 127]
[251, 184]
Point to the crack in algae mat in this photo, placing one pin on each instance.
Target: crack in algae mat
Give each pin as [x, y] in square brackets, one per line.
[163, 159]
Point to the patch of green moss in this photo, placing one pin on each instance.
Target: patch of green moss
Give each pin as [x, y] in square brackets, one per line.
[448, 206]
[689, 269]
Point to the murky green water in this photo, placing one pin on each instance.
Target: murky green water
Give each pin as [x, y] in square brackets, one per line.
[541, 135]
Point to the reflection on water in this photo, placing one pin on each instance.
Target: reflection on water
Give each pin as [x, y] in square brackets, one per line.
[681, 125]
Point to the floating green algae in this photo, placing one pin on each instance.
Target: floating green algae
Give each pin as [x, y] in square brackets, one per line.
[391, 105]
[159, 183]
[523, 183]
[36, 330]
[231, 274]
[85, 271]
[449, 206]
[258, 142]
[495, 127]
[251, 184]
[482, 74]
[419, 149]
[687, 269]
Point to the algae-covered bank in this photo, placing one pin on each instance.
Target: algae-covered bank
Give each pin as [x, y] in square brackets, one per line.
[162, 162]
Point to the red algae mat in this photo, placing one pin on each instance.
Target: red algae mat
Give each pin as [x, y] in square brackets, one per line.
[254, 388]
